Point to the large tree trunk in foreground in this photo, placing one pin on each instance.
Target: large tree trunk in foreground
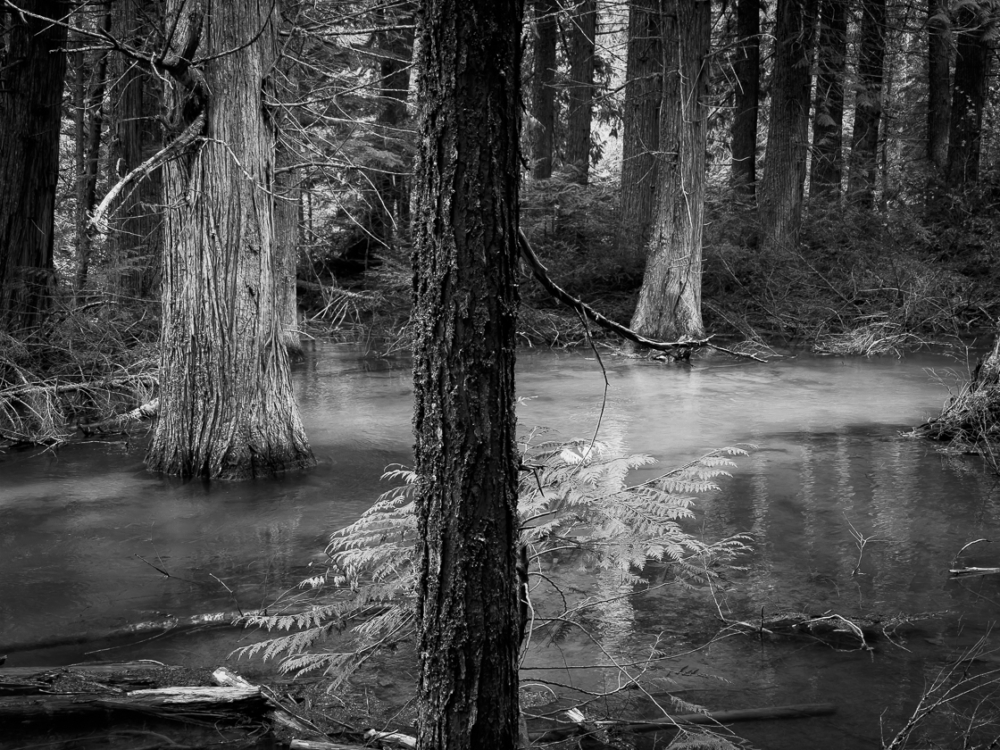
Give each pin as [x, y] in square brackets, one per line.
[669, 305]
[780, 195]
[640, 126]
[465, 304]
[868, 106]
[582, 32]
[746, 70]
[32, 69]
[226, 404]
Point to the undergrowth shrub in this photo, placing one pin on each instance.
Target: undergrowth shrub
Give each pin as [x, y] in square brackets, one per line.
[574, 498]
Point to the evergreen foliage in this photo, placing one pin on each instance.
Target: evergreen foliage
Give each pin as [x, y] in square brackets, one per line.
[574, 497]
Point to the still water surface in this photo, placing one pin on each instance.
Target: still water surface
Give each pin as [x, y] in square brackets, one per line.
[84, 530]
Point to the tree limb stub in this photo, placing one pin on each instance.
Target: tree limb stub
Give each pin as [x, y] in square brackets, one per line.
[541, 273]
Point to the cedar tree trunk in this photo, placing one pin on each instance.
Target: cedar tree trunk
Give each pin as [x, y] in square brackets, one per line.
[32, 69]
[543, 92]
[972, 61]
[582, 31]
[828, 117]
[938, 83]
[669, 305]
[226, 404]
[868, 105]
[780, 197]
[465, 264]
[640, 126]
[746, 70]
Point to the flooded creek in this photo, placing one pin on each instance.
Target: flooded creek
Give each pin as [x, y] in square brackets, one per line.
[846, 516]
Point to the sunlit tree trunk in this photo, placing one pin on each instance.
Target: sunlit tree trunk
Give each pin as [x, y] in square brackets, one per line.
[135, 243]
[863, 174]
[543, 92]
[746, 71]
[974, 30]
[938, 83]
[780, 195]
[465, 219]
[640, 126]
[670, 299]
[32, 70]
[582, 32]
[828, 116]
[226, 404]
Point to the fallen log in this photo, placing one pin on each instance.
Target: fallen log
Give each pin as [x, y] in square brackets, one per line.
[972, 572]
[802, 711]
[277, 713]
[113, 677]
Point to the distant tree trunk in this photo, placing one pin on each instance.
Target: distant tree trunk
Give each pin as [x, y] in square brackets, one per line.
[582, 32]
[828, 117]
[974, 31]
[89, 124]
[938, 82]
[465, 264]
[226, 404]
[640, 126]
[135, 243]
[780, 196]
[670, 299]
[32, 70]
[868, 105]
[543, 92]
[746, 70]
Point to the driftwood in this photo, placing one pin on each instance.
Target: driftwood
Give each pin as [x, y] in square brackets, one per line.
[803, 711]
[680, 349]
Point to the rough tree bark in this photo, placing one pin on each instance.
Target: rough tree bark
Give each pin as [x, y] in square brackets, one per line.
[465, 263]
[780, 195]
[226, 404]
[32, 70]
[135, 243]
[868, 105]
[746, 70]
[582, 32]
[828, 115]
[669, 305]
[640, 126]
[974, 30]
[938, 83]
[543, 92]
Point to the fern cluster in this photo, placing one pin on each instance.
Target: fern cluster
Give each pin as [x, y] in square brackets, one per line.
[572, 496]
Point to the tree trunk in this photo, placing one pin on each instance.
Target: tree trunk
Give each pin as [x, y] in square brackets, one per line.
[582, 32]
[746, 70]
[543, 92]
[32, 69]
[828, 117]
[780, 197]
[226, 404]
[669, 305]
[974, 31]
[868, 105]
[640, 126]
[135, 243]
[938, 83]
[465, 305]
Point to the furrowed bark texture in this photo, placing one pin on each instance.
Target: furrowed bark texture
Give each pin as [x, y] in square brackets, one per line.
[780, 196]
[226, 403]
[32, 69]
[938, 82]
[641, 126]
[669, 305]
[582, 32]
[746, 69]
[465, 302]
